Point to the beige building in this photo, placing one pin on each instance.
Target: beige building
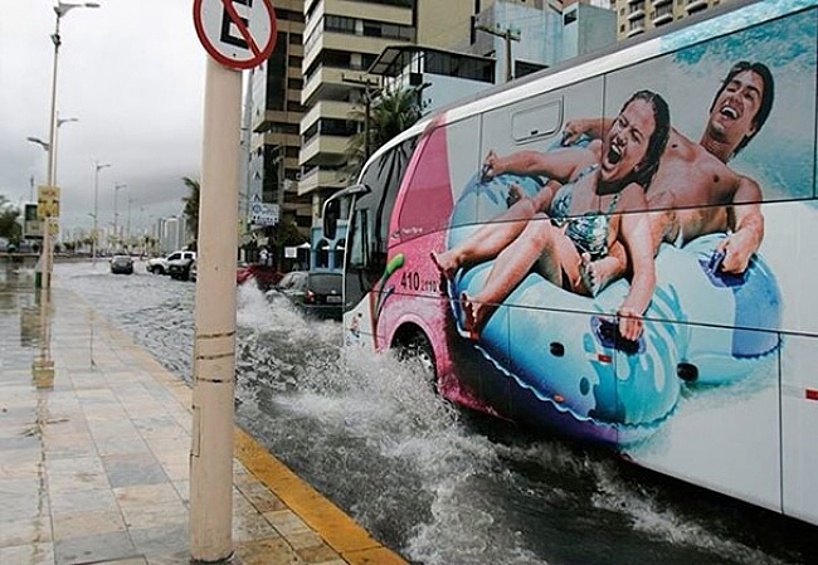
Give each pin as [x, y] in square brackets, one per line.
[637, 16]
[342, 38]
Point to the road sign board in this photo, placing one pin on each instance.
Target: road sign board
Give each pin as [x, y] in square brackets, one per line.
[239, 34]
[48, 202]
[263, 213]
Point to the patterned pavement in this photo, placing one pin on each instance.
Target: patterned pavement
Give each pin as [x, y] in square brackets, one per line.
[94, 454]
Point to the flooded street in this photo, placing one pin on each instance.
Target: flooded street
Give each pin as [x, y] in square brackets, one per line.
[440, 485]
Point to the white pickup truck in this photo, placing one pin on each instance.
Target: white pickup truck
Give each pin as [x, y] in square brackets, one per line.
[161, 265]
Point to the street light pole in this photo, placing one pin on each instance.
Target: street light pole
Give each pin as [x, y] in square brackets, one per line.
[95, 235]
[60, 122]
[117, 187]
[60, 10]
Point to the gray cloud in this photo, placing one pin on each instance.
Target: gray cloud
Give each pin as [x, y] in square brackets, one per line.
[132, 73]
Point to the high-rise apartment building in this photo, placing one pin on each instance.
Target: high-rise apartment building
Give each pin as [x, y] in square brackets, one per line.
[276, 114]
[342, 38]
[637, 16]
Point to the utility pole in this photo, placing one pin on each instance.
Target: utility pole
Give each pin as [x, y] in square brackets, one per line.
[279, 161]
[369, 96]
[508, 35]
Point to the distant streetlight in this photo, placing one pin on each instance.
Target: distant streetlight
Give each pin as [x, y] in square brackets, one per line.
[60, 122]
[39, 142]
[97, 168]
[117, 188]
[60, 10]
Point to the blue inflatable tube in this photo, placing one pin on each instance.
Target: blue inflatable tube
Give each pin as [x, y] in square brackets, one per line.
[561, 352]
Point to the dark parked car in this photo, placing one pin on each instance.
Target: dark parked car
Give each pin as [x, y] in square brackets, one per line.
[122, 265]
[315, 293]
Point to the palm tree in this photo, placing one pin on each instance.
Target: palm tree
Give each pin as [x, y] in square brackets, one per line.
[9, 227]
[393, 112]
[191, 210]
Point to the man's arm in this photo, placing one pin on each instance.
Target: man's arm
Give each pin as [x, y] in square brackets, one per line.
[747, 223]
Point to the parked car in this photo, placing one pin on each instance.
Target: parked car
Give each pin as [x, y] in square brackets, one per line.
[193, 271]
[178, 264]
[159, 265]
[122, 265]
[315, 293]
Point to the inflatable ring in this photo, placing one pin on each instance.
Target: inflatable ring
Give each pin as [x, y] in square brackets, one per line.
[561, 352]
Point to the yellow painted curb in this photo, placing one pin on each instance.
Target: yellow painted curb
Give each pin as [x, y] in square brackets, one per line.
[340, 532]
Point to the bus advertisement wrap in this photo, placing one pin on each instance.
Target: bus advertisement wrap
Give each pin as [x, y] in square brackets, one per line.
[621, 251]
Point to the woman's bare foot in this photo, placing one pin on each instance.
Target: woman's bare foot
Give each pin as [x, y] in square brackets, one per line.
[471, 316]
[515, 194]
[444, 263]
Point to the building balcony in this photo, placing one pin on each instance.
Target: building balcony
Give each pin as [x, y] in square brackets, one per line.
[318, 178]
[328, 82]
[636, 29]
[661, 19]
[636, 14]
[695, 6]
[327, 109]
[326, 146]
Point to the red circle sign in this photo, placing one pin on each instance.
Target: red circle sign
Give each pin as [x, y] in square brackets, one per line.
[239, 34]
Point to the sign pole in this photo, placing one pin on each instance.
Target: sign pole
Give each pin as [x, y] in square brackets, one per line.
[211, 457]
[237, 35]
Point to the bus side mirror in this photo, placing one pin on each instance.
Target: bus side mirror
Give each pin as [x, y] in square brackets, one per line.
[332, 211]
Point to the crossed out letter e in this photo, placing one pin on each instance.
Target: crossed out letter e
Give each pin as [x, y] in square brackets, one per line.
[226, 36]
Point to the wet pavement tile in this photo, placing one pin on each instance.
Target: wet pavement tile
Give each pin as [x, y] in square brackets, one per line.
[93, 549]
[34, 554]
[142, 517]
[82, 501]
[17, 507]
[82, 524]
[250, 526]
[267, 552]
[162, 540]
[115, 446]
[129, 470]
[142, 495]
[26, 531]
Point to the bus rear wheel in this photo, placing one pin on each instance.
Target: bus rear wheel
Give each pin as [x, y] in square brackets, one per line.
[416, 347]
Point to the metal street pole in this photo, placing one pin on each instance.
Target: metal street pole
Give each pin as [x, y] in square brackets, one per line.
[95, 234]
[214, 361]
[117, 188]
[60, 122]
[60, 10]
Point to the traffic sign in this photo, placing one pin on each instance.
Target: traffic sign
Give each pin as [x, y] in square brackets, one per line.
[48, 202]
[239, 34]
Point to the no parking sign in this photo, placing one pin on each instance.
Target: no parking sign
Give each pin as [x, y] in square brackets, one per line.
[239, 34]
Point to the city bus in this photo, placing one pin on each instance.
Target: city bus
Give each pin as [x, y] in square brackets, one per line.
[616, 250]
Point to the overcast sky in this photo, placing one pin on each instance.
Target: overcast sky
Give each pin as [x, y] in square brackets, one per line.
[132, 73]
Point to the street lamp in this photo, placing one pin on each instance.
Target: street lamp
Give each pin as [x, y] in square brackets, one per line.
[97, 168]
[60, 122]
[60, 10]
[117, 188]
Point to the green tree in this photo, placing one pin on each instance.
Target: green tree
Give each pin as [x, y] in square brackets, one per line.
[191, 201]
[9, 226]
[390, 114]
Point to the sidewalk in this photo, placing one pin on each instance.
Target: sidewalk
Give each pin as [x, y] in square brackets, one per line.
[94, 447]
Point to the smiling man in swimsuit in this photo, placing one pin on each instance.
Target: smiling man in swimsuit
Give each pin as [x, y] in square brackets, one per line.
[694, 192]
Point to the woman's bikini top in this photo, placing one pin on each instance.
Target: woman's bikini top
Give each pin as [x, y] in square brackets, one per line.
[589, 232]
